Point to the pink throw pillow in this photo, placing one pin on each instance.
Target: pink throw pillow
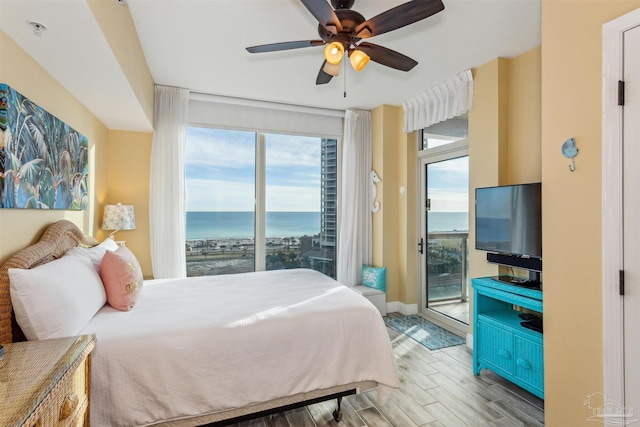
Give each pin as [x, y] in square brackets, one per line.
[122, 278]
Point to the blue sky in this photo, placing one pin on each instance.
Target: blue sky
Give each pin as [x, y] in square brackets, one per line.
[220, 168]
[448, 183]
[220, 171]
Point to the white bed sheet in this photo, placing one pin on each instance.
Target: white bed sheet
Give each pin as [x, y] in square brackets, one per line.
[205, 344]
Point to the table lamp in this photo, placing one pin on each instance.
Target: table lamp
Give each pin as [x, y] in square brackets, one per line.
[118, 217]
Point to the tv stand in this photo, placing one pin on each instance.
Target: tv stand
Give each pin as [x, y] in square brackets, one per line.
[517, 281]
[500, 341]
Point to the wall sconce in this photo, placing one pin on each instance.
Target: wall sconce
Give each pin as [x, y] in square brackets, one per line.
[118, 217]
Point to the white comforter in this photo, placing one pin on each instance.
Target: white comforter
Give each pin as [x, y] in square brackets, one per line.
[201, 345]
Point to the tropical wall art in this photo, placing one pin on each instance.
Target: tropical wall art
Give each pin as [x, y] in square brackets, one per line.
[44, 164]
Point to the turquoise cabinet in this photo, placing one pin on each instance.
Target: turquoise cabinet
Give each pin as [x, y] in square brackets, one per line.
[500, 342]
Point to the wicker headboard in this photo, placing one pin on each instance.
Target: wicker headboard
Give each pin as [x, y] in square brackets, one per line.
[57, 239]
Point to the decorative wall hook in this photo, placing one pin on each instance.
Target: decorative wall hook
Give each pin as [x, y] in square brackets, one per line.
[569, 150]
[375, 207]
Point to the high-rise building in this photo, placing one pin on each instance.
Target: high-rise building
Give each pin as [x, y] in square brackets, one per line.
[325, 257]
[329, 193]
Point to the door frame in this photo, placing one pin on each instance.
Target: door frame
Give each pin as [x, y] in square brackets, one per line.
[612, 219]
[444, 152]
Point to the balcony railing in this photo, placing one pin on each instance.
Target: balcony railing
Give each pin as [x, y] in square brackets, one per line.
[447, 266]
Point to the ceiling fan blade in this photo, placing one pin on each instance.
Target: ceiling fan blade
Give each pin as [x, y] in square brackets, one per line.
[388, 57]
[323, 78]
[398, 17]
[324, 13]
[273, 47]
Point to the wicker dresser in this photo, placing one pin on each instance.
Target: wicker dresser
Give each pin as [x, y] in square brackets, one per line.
[46, 383]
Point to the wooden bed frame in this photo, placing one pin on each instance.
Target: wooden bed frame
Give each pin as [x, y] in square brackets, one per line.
[63, 235]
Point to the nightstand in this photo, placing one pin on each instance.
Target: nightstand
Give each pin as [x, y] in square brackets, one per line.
[46, 383]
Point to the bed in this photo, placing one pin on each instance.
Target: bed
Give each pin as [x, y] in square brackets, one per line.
[216, 349]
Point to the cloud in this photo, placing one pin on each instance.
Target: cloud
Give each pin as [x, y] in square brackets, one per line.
[220, 171]
[448, 185]
[446, 200]
[292, 199]
[218, 148]
[221, 196]
[236, 149]
[216, 196]
[293, 151]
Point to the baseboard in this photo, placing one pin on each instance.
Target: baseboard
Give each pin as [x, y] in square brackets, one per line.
[470, 341]
[402, 308]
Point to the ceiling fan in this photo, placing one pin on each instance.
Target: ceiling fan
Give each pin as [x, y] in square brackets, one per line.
[342, 29]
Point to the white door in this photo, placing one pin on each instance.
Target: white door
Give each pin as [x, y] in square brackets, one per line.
[631, 221]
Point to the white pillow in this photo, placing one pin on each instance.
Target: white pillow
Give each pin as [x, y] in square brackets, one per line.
[96, 253]
[56, 299]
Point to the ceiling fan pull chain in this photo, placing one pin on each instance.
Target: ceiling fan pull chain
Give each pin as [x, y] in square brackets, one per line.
[345, 78]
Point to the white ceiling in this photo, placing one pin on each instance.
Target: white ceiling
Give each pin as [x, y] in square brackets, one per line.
[200, 45]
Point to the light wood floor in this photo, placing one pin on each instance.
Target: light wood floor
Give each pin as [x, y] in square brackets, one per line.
[458, 310]
[437, 389]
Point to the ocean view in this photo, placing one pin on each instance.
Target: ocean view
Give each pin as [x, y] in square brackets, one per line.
[212, 225]
[448, 221]
[223, 242]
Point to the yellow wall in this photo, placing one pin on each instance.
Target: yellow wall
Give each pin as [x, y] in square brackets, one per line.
[524, 112]
[504, 133]
[487, 146]
[572, 243]
[128, 176]
[20, 227]
[384, 223]
[394, 226]
[407, 211]
[119, 160]
[504, 148]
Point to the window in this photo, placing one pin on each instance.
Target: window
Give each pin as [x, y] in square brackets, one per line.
[259, 201]
[447, 132]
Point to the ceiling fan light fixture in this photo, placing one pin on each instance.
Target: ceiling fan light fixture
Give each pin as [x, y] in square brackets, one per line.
[334, 52]
[331, 69]
[359, 59]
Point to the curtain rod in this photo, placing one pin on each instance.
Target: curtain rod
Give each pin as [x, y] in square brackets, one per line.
[198, 96]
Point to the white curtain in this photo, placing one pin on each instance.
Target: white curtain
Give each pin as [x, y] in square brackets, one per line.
[354, 232]
[444, 101]
[166, 194]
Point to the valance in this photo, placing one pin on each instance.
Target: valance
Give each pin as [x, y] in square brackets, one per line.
[444, 101]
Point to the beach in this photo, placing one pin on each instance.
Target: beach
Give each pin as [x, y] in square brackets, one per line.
[236, 255]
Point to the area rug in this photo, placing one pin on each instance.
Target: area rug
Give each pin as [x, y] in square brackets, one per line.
[426, 333]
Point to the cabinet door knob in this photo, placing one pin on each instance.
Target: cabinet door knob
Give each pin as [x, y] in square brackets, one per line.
[523, 363]
[68, 406]
[504, 353]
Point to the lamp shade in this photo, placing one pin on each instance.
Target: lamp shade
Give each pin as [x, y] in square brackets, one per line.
[118, 217]
[359, 59]
[334, 52]
[331, 69]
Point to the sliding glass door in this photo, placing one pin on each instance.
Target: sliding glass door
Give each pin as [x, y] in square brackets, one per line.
[444, 232]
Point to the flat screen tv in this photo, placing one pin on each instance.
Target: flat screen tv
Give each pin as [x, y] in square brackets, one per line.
[509, 220]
